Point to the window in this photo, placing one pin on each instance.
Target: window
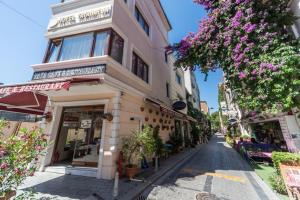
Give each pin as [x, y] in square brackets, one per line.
[86, 45]
[178, 79]
[101, 46]
[166, 57]
[54, 50]
[168, 89]
[117, 47]
[76, 47]
[140, 68]
[141, 20]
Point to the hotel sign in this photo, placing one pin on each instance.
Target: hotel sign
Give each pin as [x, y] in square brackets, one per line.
[78, 71]
[83, 17]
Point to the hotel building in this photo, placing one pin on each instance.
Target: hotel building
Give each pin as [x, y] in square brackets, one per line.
[105, 74]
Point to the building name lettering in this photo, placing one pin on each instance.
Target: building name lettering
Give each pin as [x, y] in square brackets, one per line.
[78, 71]
[83, 17]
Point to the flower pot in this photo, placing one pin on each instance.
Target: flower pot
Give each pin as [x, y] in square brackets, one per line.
[8, 195]
[131, 171]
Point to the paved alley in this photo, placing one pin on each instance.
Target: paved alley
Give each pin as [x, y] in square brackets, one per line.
[215, 172]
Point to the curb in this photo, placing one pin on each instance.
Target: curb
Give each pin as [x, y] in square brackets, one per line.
[158, 175]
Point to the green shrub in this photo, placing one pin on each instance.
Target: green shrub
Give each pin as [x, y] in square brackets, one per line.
[229, 140]
[245, 137]
[278, 158]
[285, 158]
[277, 183]
[176, 140]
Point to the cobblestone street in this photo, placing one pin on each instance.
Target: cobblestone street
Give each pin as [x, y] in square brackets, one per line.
[216, 169]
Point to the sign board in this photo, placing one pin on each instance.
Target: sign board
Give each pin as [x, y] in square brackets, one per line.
[86, 123]
[81, 18]
[291, 177]
[179, 105]
[78, 71]
[35, 87]
[71, 122]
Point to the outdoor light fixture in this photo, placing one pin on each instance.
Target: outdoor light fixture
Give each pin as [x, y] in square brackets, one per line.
[108, 116]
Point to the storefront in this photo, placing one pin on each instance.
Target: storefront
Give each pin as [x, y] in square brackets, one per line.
[269, 133]
[282, 130]
[79, 139]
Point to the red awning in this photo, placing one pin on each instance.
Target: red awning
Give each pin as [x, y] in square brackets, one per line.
[27, 98]
[24, 102]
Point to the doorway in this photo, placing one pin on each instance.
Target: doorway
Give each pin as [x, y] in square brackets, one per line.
[79, 138]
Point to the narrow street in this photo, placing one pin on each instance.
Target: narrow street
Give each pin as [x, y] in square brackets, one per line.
[217, 172]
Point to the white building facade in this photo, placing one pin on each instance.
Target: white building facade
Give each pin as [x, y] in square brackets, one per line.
[105, 74]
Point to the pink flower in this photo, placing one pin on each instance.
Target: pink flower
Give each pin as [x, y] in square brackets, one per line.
[2, 152]
[4, 166]
[39, 148]
[242, 75]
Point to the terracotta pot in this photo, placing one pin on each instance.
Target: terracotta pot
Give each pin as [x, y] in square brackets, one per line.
[131, 171]
[9, 195]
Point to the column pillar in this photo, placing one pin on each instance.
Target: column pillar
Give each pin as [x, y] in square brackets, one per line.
[107, 167]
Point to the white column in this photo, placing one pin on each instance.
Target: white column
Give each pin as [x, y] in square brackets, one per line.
[107, 165]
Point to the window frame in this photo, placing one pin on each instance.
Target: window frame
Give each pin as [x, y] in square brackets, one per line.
[134, 67]
[93, 46]
[138, 14]
[168, 89]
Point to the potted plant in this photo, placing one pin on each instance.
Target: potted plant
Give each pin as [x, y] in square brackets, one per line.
[158, 145]
[130, 149]
[140, 144]
[19, 156]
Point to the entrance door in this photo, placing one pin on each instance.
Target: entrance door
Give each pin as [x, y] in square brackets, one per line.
[79, 140]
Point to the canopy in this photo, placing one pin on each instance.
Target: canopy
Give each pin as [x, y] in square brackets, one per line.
[29, 98]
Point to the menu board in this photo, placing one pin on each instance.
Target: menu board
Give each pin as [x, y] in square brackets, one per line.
[291, 177]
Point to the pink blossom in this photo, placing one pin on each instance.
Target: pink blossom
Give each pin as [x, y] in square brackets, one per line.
[242, 75]
[38, 148]
[4, 166]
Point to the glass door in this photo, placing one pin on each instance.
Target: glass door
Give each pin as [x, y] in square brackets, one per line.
[80, 136]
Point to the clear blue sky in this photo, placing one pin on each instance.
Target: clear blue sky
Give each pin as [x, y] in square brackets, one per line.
[22, 43]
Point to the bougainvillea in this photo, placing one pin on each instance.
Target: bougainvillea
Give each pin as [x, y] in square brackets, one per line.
[251, 42]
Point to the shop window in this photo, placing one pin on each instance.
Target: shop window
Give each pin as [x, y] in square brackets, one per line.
[141, 20]
[140, 68]
[76, 47]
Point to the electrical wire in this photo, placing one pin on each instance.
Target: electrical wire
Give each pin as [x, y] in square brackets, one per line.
[21, 14]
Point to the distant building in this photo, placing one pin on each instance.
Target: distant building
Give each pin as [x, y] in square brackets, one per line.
[193, 93]
[204, 107]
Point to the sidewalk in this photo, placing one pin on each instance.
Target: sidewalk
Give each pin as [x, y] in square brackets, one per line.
[66, 187]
